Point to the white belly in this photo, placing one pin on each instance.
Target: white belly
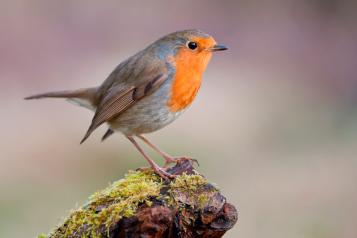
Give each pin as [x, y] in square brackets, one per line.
[147, 115]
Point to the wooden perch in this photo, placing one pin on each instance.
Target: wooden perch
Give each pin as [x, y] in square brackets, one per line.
[143, 205]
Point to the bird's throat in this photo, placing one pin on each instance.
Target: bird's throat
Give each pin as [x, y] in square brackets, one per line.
[187, 79]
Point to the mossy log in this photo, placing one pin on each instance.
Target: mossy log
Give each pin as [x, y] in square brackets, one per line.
[144, 205]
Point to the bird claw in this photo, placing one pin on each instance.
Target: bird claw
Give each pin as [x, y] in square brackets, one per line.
[179, 160]
[163, 174]
[159, 171]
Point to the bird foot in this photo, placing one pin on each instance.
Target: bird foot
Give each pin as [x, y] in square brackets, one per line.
[163, 174]
[179, 160]
[159, 171]
[162, 171]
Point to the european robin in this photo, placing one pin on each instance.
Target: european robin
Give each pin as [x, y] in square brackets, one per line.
[149, 90]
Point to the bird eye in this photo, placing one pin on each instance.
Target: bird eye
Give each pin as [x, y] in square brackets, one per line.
[192, 45]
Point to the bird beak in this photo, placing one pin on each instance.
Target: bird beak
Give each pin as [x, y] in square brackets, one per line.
[217, 48]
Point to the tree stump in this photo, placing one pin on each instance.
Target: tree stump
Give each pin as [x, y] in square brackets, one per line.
[144, 205]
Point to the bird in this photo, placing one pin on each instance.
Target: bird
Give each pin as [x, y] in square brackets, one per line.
[148, 90]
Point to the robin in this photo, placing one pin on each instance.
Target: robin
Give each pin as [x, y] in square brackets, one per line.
[149, 90]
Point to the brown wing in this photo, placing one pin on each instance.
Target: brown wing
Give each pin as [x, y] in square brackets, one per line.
[118, 102]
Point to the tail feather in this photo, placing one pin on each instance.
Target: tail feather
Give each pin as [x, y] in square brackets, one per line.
[108, 133]
[80, 93]
[84, 97]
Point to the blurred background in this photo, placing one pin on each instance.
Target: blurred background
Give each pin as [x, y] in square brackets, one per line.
[274, 125]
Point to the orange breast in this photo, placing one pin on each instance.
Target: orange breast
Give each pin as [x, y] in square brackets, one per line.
[187, 79]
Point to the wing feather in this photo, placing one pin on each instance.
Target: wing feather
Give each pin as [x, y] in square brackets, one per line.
[113, 106]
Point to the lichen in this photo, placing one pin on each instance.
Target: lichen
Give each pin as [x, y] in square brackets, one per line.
[121, 199]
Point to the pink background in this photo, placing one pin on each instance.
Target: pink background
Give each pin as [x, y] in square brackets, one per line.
[274, 125]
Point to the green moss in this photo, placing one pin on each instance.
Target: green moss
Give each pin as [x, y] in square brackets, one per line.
[190, 190]
[107, 207]
[122, 198]
[202, 199]
[187, 182]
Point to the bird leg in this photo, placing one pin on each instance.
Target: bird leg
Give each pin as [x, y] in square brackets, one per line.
[158, 170]
[168, 158]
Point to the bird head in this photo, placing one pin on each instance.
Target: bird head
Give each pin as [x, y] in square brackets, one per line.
[193, 44]
[194, 41]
